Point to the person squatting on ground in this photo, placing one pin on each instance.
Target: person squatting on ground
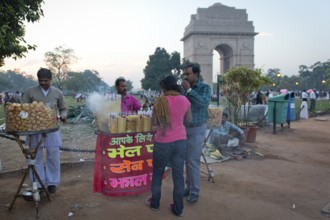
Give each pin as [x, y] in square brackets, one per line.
[221, 135]
[199, 95]
[170, 112]
[128, 104]
[53, 98]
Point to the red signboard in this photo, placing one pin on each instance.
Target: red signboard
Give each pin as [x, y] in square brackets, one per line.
[123, 163]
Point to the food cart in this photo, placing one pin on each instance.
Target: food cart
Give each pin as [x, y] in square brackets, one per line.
[123, 156]
[123, 159]
[28, 120]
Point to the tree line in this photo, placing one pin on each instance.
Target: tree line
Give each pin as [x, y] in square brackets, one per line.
[59, 61]
[315, 76]
[160, 63]
[76, 82]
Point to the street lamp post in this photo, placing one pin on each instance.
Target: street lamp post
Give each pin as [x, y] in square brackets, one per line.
[323, 84]
[297, 84]
[278, 76]
[218, 90]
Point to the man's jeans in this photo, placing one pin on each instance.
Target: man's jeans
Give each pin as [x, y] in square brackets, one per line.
[175, 153]
[195, 139]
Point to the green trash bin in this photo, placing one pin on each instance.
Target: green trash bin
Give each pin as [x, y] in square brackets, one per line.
[278, 107]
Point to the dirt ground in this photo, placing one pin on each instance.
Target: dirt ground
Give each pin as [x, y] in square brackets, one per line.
[291, 181]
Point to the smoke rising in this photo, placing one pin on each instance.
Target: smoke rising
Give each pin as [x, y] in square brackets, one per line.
[102, 106]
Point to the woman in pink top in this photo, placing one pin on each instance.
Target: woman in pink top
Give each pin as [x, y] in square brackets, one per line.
[169, 113]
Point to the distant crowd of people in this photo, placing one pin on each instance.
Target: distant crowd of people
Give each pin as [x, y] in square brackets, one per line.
[10, 97]
[79, 97]
[261, 97]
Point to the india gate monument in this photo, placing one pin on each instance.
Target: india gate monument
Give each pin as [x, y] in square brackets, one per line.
[223, 29]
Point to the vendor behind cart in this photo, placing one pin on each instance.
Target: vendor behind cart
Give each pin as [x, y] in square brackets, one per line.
[53, 98]
[128, 104]
[226, 133]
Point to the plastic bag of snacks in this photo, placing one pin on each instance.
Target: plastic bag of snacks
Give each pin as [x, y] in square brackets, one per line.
[139, 124]
[112, 124]
[215, 116]
[29, 117]
[146, 123]
[121, 123]
[131, 123]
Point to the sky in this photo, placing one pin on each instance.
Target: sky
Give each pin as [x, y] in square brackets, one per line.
[116, 37]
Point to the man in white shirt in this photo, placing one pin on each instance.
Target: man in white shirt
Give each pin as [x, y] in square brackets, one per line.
[312, 96]
[304, 95]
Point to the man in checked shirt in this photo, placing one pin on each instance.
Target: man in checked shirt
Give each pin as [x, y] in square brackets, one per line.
[199, 95]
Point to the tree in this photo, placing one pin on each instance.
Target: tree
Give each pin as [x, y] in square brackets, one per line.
[312, 77]
[13, 13]
[86, 82]
[14, 80]
[175, 62]
[58, 62]
[271, 73]
[161, 63]
[237, 86]
[5, 83]
[275, 75]
[129, 84]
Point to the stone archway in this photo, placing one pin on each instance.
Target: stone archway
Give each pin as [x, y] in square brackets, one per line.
[223, 29]
[226, 57]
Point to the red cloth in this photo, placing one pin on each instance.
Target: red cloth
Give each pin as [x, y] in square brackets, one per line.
[97, 187]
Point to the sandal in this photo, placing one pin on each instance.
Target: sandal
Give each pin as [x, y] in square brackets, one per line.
[148, 203]
[171, 206]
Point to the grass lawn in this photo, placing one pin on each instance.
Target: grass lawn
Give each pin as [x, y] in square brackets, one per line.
[71, 102]
[321, 105]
